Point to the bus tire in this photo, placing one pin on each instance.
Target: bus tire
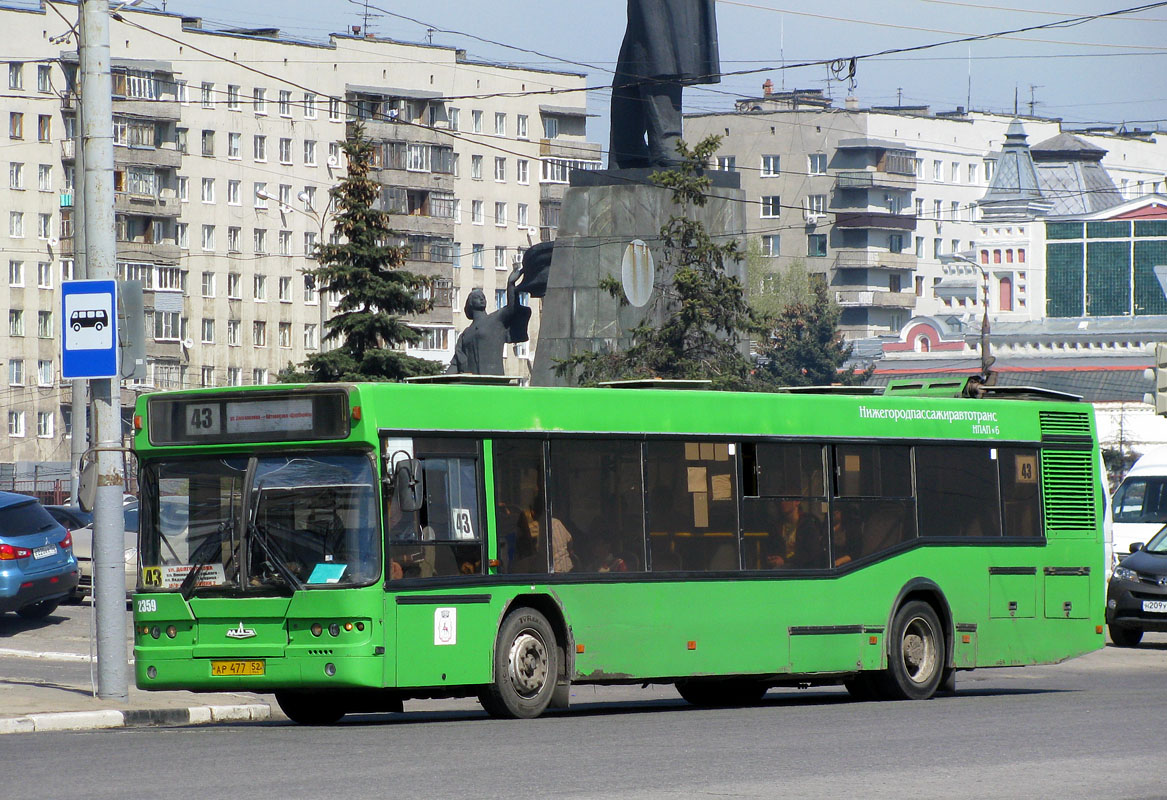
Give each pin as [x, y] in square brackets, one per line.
[1125, 637]
[915, 658]
[526, 667]
[306, 708]
[721, 693]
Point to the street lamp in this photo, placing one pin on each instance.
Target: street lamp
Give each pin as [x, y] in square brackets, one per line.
[987, 376]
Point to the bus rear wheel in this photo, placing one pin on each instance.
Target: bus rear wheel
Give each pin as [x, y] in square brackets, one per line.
[1125, 637]
[309, 709]
[526, 667]
[915, 658]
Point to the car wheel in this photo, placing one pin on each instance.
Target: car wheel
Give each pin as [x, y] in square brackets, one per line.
[76, 327]
[1125, 637]
[39, 610]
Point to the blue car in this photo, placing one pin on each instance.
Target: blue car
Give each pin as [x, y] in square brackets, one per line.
[37, 567]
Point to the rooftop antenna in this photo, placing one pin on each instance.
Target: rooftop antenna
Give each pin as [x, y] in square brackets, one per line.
[429, 35]
[1032, 98]
[782, 47]
[1014, 99]
[899, 96]
[968, 97]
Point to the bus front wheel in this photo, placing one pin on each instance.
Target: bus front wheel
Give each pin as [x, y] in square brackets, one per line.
[526, 667]
[309, 708]
[915, 658]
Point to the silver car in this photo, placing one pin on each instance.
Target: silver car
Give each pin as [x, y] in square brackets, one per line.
[83, 550]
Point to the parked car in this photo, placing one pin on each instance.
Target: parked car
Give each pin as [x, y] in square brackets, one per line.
[37, 566]
[83, 548]
[1136, 597]
[72, 517]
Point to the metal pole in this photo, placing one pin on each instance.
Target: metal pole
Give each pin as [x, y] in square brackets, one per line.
[80, 402]
[108, 523]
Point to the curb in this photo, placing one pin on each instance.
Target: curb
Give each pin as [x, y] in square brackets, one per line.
[135, 718]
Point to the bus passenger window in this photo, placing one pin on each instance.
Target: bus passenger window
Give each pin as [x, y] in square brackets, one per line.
[520, 506]
[957, 492]
[597, 506]
[443, 537]
[785, 526]
[691, 494]
[874, 509]
[1021, 490]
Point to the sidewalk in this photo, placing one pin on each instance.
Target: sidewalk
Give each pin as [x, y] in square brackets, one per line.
[32, 705]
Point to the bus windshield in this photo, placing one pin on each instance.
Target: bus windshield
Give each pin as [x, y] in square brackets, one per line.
[266, 524]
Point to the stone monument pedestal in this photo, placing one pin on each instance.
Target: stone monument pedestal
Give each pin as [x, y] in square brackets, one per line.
[603, 213]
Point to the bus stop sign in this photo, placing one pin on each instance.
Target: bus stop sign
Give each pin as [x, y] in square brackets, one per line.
[89, 340]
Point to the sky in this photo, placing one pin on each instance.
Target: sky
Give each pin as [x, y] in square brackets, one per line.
[1098, 72]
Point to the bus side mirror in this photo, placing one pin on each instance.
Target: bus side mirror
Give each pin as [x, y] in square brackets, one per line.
[87, 486]
[409, 485]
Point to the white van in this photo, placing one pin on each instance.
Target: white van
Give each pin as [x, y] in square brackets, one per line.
[1140, 504]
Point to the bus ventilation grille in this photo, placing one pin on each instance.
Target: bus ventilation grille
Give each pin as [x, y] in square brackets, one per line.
[1064, 424]
[1069, 492]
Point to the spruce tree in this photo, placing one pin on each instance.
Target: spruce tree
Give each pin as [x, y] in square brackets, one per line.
[367, 271]
[803, 345]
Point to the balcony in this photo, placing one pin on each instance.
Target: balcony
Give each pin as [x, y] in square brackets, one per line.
[865, 258]
[868, 298]
[146, 156]
[875, 220]
[68, 149]
[164, 251]
[149, 109]
[146, 205]
[868, 179]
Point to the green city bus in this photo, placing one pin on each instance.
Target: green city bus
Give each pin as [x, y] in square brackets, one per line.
[350, 546]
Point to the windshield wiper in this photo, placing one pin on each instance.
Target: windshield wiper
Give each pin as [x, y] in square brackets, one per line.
[274, 558]
[187, 587]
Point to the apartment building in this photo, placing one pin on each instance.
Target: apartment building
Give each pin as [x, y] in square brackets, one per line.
[226, 146]
[877, 200]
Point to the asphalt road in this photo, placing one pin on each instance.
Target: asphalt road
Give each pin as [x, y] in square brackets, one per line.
[1087, 728]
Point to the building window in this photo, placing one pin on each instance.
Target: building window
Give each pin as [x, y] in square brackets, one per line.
[500, 169]
[167, 326]
[16, 423]
[208, 331]
[285, 243]
[15, 322]
[15, 75]
[233, 332]
[500, 124]
[259, 240]
[477, 215]
[15, 125]
[259, 376]
[208, 190]
[44, 275]
[816, 205]
[206, 376]
[310, 336]
[550, 127]
[500, 214]
[309, 290]
[500, 258]
[44, 78]
[771, 206]
[44, 372]
[1005, 295]
[285, 103]
[285, 148]
[44, 177]
[16, 372]
[16, 273]
[16, 224]
[818, 163]
[259, 333]
[938, 170]
[476, 121]
[182, 235]
[207, 143]
[1021, 256]
[309, 105]
[259, 148]
[259, 98]
[44, 128]
[476, 253]
[233, 239]
[816, 245]
[476, 168]
[521, 127]
[234, 376]
[259, 288]
[523, 171]
[770, 245]
[309, 153]
[771, 166]
[234, 286]
[285, 334]
[259, 192]
[727, 163]
[996, 256]
[524, 216]
[44, 324]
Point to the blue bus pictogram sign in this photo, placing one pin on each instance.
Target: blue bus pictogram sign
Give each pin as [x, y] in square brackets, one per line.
[89, 340]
